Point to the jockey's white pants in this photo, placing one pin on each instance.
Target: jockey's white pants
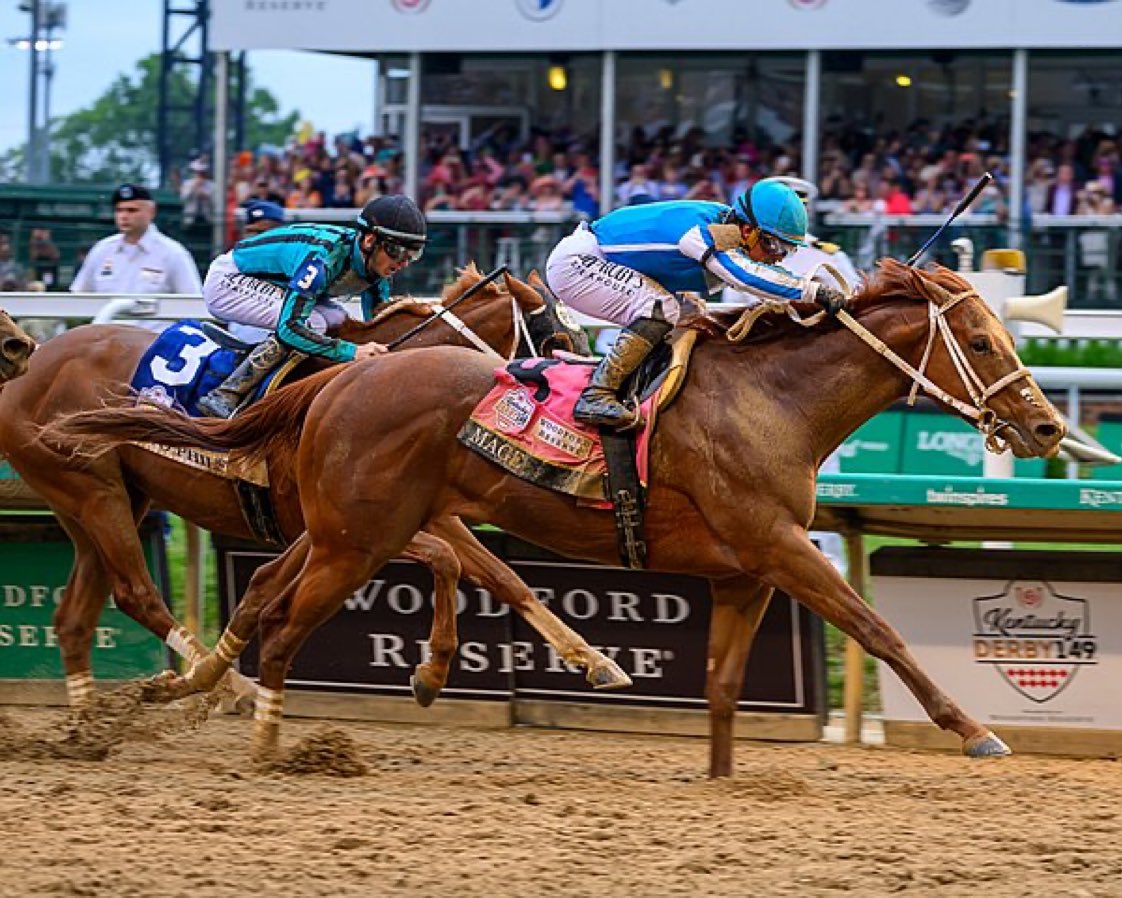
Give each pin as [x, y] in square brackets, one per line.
[253, 306]
[581, 277]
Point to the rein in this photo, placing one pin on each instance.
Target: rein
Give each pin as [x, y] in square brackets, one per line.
[979, 414]
[461, 327]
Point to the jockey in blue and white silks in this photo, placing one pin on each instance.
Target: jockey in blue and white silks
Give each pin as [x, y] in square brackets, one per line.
[629, 266]
[285, 278]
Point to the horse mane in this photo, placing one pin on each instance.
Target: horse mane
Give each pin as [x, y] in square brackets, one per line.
[467, 277]
[891, 279]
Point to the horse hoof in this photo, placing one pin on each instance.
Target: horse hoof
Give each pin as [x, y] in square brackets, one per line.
[245, 705]
[608, 675]
[422, 692]
[163, 688]
[985, 746]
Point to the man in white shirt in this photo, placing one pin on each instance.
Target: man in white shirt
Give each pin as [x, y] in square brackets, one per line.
[139, 259]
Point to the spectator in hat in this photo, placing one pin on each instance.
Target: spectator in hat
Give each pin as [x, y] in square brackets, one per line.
[197, 194]
[12, 275]
[261, 216]
[138, 259]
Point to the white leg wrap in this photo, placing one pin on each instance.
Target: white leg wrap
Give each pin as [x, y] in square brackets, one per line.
[184, 643]
[270, 705]
[79, 688]
[229, 647]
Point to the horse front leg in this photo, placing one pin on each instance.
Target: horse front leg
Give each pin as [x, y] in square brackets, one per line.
[482, 568]
[431, 676]
[797, 567]
[738, 607]
[212, 668]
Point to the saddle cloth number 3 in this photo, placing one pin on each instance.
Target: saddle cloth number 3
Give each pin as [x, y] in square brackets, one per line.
[183, 367]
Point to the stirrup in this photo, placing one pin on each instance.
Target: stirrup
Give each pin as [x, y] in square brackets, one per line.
[596, 412]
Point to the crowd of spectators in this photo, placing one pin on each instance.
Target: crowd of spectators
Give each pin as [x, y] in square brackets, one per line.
[920, 169]
[923, 168]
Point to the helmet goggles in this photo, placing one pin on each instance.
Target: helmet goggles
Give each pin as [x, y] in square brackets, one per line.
[398, 246]
[774, 247]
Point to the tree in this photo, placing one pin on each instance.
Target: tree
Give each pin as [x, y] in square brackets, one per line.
[115, 138]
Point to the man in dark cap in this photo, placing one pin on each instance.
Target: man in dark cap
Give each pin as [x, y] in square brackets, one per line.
[261, 216]
[139, 259]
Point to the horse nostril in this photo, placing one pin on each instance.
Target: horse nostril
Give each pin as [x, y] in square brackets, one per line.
[1047, 432]
[14, 348]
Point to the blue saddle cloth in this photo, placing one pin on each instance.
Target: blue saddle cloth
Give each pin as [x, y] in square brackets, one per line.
[182, 366]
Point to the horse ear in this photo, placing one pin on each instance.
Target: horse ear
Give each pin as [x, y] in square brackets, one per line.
[527, 295]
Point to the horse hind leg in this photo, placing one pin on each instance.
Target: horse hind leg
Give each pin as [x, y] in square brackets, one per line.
[431, 676]
[329, 576]
[484, 569]
[267, 583]
[738, 608]
[76, 617]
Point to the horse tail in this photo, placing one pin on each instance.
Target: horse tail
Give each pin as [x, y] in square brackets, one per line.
[271, 424]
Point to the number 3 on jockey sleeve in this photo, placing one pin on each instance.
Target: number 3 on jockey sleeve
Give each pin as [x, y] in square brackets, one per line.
[309, 278]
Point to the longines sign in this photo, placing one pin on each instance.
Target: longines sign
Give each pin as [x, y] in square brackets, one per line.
[395, 26]
[1018, 638]
[654, 626]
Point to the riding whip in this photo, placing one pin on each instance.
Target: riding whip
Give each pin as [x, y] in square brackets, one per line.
[962, 206]
[471, 291]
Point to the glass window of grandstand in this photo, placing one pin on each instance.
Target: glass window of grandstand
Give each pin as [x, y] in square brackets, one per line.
[705, 126]
[1073, 176]
[909, 134]
[509, 150]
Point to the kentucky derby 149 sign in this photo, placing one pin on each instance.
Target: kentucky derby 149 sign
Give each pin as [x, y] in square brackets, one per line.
[1029, 643]
[654, 626]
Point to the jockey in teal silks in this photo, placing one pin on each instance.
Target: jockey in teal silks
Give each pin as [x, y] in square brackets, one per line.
[285, 278]
[629, 267]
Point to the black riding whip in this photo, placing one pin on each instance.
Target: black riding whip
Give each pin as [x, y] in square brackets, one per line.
[471, 291]
[962, 206]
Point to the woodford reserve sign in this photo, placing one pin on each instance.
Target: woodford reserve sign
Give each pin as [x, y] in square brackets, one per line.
[655, 626]
[35, 561]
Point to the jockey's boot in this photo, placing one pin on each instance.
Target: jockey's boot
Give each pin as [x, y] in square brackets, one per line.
[599, 402]
[225, 399]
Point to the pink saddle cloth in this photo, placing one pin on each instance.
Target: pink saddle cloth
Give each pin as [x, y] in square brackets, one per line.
[525, 425]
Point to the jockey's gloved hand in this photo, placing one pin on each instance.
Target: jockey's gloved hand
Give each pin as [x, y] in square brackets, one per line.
[833, 301]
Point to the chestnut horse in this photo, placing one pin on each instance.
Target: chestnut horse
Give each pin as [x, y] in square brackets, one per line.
[99, 504]
[732, 485]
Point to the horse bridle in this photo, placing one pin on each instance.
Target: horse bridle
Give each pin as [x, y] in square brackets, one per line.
[521, 331]
[980, 413]
[984, 418]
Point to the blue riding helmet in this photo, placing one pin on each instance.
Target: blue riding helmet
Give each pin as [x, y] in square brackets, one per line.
[775, 209]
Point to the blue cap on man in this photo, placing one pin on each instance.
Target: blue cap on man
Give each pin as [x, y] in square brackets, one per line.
[257, 211]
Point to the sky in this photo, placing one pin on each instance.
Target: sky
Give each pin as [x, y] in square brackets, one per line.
[105, 38]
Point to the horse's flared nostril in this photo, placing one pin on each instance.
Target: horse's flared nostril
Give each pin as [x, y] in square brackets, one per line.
[15, 349]
[1048, 433]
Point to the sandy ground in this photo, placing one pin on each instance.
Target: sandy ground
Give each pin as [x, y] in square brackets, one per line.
[430, 811]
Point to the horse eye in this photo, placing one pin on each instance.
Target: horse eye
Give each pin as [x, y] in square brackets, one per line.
[980, 344]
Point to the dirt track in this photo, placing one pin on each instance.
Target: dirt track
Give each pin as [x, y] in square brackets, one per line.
[532, 812]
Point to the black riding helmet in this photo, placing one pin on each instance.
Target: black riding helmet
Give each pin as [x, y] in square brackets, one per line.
[395, 218]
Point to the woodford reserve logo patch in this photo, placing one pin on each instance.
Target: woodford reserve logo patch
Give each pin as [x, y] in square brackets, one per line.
[514, 411]
[555, 434]
[1036, 638]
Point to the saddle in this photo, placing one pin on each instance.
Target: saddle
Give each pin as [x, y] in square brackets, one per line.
[188, 360]
[525, 425]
